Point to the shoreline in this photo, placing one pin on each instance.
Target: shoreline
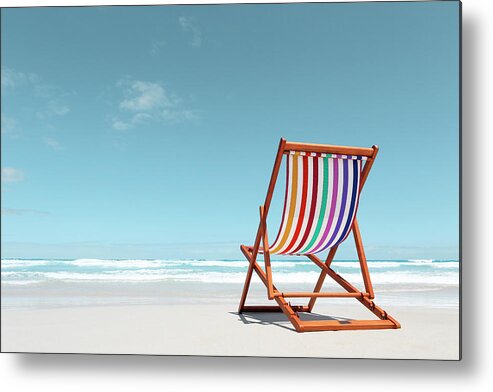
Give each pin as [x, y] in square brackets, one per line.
[66, 294]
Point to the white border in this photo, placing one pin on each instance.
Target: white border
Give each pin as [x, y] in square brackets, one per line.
[126, 373]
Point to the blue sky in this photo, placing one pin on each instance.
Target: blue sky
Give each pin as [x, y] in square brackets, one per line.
[150, 132]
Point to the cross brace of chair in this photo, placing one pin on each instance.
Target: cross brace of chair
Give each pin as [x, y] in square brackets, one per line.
[385, 321]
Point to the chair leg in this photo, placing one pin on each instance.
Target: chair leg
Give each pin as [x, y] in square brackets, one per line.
[252, 260]
[246, 287]
[362, 259]
[261, 237]
[322, 276]
[390, 322]
[265, 244]
[289, 310]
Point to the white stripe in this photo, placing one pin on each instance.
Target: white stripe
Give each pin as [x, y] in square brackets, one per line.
[317, 161]
[337, 209]
[333, 156]
[288, 201]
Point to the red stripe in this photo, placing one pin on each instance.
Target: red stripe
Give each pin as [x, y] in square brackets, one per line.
[312, 206]
[303, 205]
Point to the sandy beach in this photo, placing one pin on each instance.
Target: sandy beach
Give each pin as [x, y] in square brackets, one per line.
[190, 308]
[218, 330]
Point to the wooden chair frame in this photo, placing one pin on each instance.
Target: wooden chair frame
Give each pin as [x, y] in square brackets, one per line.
[366, 297]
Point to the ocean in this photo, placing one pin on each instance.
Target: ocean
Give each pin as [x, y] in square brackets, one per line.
[82, 281]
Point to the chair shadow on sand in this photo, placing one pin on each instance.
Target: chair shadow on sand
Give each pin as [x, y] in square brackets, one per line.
[279, 319]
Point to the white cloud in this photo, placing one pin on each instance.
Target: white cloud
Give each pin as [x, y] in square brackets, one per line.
[156, 47]
[136, 119]
[189, 25]
[49, 101]
[179, 115]
[9, 126]
[145, 96]
[53, 109]
[148, 101]
[121, 125]
[22, 211]
[53, 143]
[12, 78]
[9, 174]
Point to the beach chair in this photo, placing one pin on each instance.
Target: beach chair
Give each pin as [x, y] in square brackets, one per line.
[323, 185]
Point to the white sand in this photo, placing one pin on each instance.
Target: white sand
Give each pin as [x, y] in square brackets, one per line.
[216, 329]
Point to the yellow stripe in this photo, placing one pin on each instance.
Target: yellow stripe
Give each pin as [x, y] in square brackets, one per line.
[292, 204]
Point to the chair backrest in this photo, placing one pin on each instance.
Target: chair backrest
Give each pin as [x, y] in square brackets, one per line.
[321, 197]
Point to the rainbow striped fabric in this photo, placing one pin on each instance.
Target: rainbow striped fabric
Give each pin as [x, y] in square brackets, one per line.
[322, 194]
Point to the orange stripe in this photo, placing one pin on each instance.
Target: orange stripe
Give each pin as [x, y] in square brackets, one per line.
[292, 204]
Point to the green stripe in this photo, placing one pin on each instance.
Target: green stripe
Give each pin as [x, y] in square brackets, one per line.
[324, 205]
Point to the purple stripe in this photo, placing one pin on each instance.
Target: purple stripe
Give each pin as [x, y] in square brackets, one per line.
[345, 184]
[335, 187]
[352, 208]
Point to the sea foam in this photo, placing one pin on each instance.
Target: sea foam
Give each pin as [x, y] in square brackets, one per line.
[32, 271]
